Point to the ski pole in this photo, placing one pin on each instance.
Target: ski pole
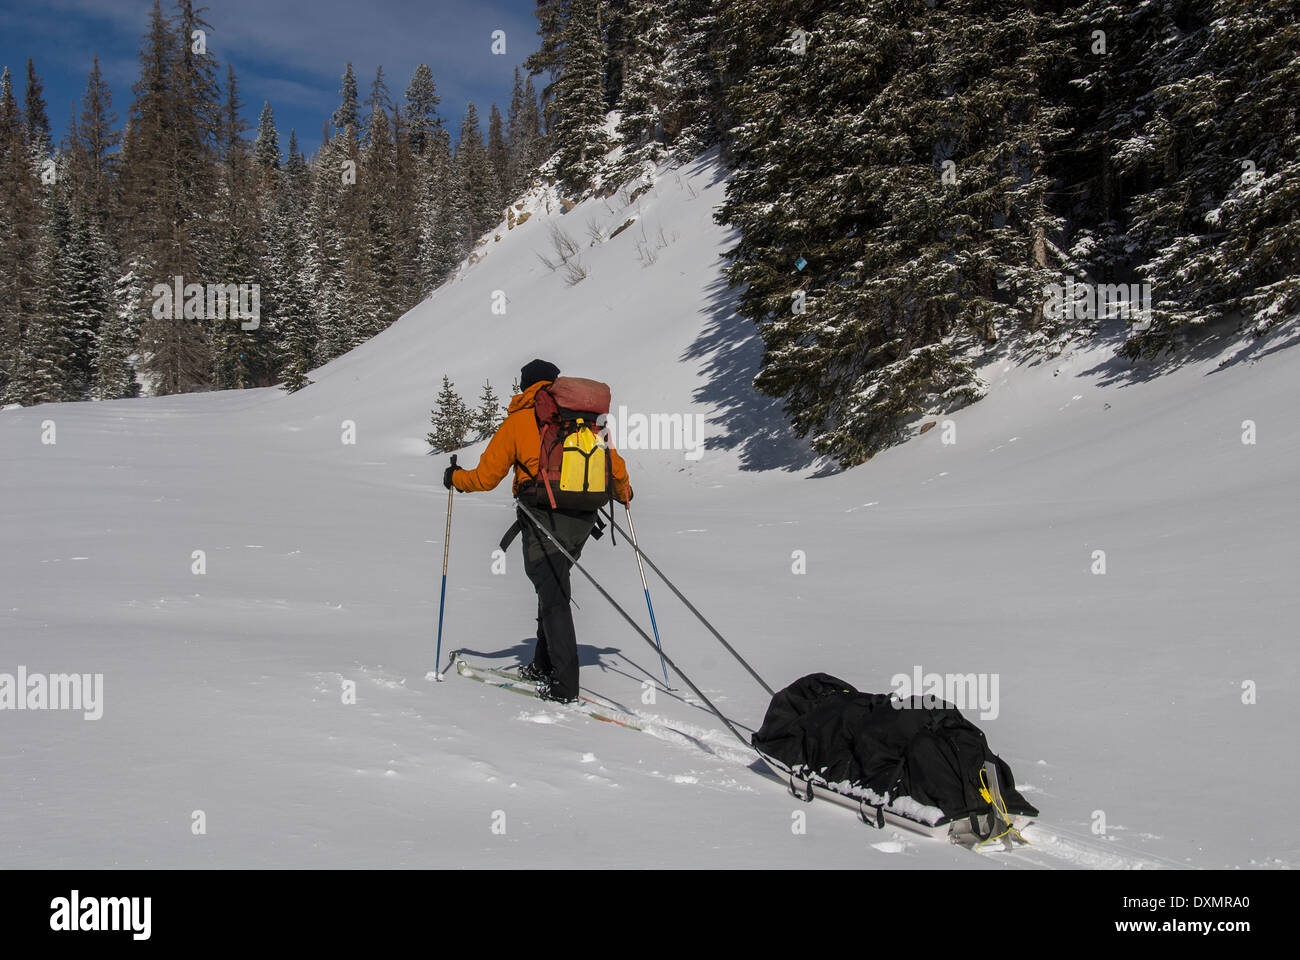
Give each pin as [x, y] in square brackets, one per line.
[646, 587]
[691, 607]
[442, 600]
[635, 626]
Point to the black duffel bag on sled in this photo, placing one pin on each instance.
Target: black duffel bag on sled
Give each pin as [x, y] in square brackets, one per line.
[914, 762]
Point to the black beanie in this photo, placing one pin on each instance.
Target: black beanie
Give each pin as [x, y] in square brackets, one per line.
[536, 371]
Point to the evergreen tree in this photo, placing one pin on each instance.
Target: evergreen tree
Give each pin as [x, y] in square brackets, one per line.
[114, 377]
[266, 148]
[44, 371]
[451, 419]
[383, 288]
[532, 125]
[525, 135]
[422, 109]
[169, 170]
[442, 222]
[552, 18]
[347, 118]
[872, 274]
[87, 298]
[577, 124]
[1211, 144]
[379, 102]
[241, 357]
[20, 240]
[92, 150]
[646, 95]
[38, 120]
[487, 417]
[325, 256]
[287, 266]
[671, 88]
[404, 207]
[691, 74]
[498, 155]
[474, 173]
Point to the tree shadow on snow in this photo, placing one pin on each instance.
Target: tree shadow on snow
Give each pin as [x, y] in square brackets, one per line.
[754, 425]
[1119, 371]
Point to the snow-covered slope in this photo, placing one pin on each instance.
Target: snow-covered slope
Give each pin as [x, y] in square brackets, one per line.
[223, 692]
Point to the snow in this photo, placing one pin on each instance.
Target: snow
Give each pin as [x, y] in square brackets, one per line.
[227, 692]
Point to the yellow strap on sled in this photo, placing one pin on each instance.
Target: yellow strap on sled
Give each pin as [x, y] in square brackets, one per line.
[1000, 806]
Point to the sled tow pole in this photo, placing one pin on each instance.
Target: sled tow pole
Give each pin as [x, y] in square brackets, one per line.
[528, 512]
[641, 555]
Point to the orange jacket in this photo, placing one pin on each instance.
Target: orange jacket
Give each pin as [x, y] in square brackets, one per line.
[518, 441]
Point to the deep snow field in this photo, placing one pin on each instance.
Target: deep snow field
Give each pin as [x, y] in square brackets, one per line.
[1119, 693]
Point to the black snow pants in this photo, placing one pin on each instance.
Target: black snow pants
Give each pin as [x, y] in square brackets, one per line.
[548, 569]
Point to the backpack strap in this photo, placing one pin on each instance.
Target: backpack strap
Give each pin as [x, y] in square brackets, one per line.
[544, 409]
[510, 535]
[533, 477]
[546, 479]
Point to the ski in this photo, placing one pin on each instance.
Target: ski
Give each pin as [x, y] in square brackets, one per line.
[606, 713]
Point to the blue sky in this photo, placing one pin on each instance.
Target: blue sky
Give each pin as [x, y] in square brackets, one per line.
[291, 52]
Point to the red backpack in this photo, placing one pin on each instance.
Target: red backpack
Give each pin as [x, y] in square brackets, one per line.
[574, 471]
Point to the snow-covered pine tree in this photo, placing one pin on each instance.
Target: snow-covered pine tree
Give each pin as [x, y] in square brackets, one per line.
[241, 357]
[266, 148]
[113, 376]
[451, 419]
[19, 237]
[576, 126]
[353, 296]
[87, 298]
[168, 189]
[691, 74]
[441, 214]
[287, 268]
[671, 85]
[871, 273]
[93, 165]
[325, 254]
[548, 58]
[646, 94]
[382, 294]
[45, 365]
[475, 176]
[378, 102]
[422, 109]
[405, 203]
[1214, 143]
[524, 126]
[38, 121]
[488, 414]
[347, 118]
[198, 104]
[498, 154]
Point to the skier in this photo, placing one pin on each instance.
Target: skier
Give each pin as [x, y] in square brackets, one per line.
[517, 443]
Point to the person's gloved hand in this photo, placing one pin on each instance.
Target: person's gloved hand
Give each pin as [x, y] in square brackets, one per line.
[446, 476]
